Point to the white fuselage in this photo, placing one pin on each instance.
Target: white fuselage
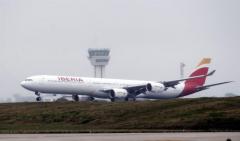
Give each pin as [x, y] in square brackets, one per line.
[121, 89]
[93, 87]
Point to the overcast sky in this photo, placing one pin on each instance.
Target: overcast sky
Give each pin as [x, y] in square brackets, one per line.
[148, 39]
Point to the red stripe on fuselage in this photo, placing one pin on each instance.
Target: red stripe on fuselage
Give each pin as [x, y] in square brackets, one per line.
[192, 84]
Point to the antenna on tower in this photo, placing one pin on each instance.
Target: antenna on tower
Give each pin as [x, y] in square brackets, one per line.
[99, 58]
[182, 65]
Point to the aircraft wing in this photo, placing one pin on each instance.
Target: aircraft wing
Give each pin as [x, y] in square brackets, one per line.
[136, 90]
[175, 82]
[132, 90]
[211, 85]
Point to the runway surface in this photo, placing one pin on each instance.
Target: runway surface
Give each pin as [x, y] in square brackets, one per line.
[220, 136]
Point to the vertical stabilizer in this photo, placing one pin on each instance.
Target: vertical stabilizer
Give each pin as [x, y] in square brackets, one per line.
[201, 69]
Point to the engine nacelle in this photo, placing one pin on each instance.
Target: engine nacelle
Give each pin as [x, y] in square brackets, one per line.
[155, 87]
[118, 93]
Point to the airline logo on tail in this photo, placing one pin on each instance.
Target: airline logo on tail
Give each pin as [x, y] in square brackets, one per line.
[205, 61]
[192, 84]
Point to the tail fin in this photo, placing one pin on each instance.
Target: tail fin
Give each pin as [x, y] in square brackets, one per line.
[197, 84]
[202, 69]
[191, 85]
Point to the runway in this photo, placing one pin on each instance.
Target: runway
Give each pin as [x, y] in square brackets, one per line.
[219, 136]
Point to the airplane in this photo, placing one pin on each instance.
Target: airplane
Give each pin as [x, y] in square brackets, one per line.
[118, 89]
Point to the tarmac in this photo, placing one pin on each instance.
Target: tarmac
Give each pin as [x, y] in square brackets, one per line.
[205, 136]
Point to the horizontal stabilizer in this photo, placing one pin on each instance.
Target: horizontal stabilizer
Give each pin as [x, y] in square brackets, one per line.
[211, 85]
[175, 82]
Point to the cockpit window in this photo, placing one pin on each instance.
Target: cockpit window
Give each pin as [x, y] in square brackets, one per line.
[28, 80]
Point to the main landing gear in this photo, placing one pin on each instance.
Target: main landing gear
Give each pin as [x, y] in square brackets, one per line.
[75, 97]
[38, 96]
[90, 98]
[130, 98]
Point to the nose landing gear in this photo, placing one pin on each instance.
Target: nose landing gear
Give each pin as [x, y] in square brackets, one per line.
[38, 96]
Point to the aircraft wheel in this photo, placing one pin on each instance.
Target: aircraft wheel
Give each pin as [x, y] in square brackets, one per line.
[37, 93]
[39, 99]
[75, 97]
[112, 99]
[134, 99]
[91, 99]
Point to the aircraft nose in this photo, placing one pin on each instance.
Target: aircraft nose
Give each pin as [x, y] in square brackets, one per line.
[23, 84]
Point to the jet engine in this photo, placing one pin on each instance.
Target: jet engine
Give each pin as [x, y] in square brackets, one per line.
[118, 94]
[155, 87]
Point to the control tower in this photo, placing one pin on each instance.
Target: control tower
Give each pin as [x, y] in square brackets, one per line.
[99, 58]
